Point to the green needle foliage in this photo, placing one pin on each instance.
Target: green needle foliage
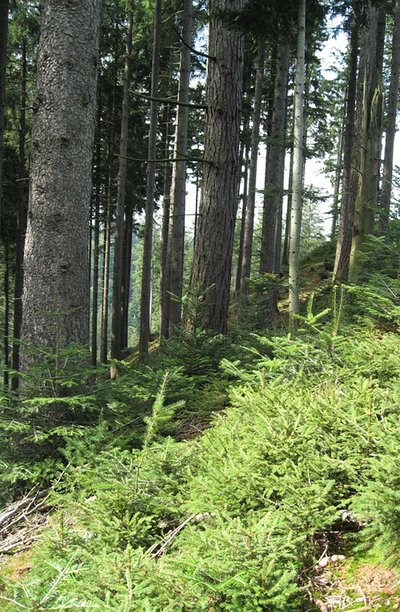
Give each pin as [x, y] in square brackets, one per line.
[214, 477]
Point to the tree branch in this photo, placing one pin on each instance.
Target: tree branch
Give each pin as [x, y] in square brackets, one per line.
[192, 49]
[168, 101]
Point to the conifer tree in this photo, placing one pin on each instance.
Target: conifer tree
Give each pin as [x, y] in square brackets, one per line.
[56, 291]
[211, 271]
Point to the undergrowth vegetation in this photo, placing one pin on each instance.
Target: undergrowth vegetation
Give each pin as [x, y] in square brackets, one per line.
[215, 476]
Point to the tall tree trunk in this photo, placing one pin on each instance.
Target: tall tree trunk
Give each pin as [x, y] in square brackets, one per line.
[106, 270]
[56, 292]
[127, 267]
[178, 195]
[4, 7]
[274, 168]
[164, 268]
[350, 154]
[96, 245]
[298, 167]
[145, 296]
[6, 334]
[251, 199]
[371, 137]
[118, 273]
[21, 222]
[338, 181]
[391, 112]
[246, 155]
[211, 271]
[285, 248]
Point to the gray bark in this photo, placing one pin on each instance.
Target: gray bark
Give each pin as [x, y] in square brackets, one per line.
[21, 220]
[4, 7]
[164, 268]
[370, 138]
[118, 269]
[274, 169]
[211, 271]
[56, 291]
[175, 254]
[251, 198]
[350, 160]
[391, 113]
[298, 169]
[145, 297]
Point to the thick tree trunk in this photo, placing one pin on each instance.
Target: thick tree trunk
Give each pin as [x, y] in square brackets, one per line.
[21, 222]
[56, 292]
[176, 239]
[118, 274]
[391, 113]
[4, 7]
[350, 160]
[251, 198]
[298, 167]
[211, 272]
[145, 296]
[371, 137]
[274, 168]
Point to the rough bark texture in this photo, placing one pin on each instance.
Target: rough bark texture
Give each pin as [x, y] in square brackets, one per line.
[118, 269]
[343, 247]
[251, 199]
[56, 292]
[391, 112]
[371, 137]
[145, 296]
[298, 168]
[274, 168]
[176, 240]
[4, 6]
[211, 272]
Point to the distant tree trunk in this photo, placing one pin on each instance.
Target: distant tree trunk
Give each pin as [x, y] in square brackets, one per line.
[285, 248]
[4, 7]
[211, 271]
[246, 151]
[298, 167]
[21, 222]
[145, 297]
[56, 291]
[274, 168]
[127, 268]
[108, 209]
[371, 137]
[251, 199]
[391, 112]
[96, 246]
[178, 194]
[6, 334]
[118, 273]
[164, 268]
[337, 182]
[106, 271]
[343, 248]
